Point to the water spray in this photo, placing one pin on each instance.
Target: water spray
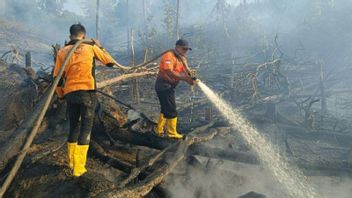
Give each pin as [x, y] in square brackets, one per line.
[289, 176]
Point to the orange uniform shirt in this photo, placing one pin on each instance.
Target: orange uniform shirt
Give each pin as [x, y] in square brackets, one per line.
[79, 73]
[170, 61]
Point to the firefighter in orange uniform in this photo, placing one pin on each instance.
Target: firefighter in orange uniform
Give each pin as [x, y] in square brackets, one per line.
[77, 87]
[173, 68]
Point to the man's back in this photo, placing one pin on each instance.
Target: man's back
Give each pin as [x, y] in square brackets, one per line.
[79, 73]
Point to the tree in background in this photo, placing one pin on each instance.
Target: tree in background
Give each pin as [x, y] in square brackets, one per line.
[108, 20]
[52, 6]
[168, 21]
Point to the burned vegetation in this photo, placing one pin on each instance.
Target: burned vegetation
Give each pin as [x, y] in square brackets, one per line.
[298, 102]
[126, 158]
[124, 149]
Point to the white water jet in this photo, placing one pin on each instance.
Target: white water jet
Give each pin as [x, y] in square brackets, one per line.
[290, 177]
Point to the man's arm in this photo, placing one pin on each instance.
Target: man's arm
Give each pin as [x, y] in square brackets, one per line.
[184, 77]
[103, 56]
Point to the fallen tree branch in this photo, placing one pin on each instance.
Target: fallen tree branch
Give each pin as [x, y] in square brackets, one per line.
[46, 151]
[39, 118]
[136, 171]
[187, 105]
[35, 157]
[100, 152]
[325, 168]
[236, 156]
[115, 99]
[140, 66]
[13, 145]
[142, 139]
[125, 77]
[134, 71]
[145, 186]
[343, 140]
[120, 151]
[126, 105]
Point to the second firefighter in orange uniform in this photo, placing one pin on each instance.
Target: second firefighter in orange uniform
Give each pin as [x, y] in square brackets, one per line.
[173, 69]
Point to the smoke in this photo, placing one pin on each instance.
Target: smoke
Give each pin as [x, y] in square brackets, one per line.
[228, 179]
[223, 179]
[224, 33]
[318, 27]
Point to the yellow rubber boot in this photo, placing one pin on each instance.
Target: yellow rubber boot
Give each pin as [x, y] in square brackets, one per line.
[79, 160]
[70, 152]
[160, 126]
[171, 129]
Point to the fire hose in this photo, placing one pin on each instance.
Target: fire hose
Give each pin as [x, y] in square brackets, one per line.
[45, 105]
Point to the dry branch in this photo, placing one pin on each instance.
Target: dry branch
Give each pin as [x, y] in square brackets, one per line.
[39, 118]
[328, 168]
[102, 154]
[142, 139]
[145, 186]
[218, 153]
[136, 171]
[152, 141]
[125, 77]
[48, 150]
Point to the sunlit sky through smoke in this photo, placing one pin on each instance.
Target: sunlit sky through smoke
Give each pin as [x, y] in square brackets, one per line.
[73, 5]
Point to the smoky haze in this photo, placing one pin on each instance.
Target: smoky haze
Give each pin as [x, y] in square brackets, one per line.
[312, 39]
[319, 28]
